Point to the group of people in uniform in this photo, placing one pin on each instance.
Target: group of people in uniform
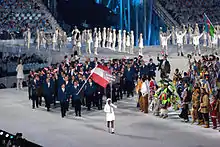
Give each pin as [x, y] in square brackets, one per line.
[187, 35]
[55, 40]
[62, 82]
[113, 39]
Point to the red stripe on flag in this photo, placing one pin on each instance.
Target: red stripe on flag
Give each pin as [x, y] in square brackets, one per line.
[105, 68]
[99, 80]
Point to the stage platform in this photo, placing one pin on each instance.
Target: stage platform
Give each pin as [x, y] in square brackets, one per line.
[133, 128]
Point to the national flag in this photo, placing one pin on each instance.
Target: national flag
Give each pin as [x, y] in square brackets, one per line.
[102, 75]
[209, 28]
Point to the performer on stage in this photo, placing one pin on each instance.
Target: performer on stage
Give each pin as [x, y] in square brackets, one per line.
[204, 38]
[79, 44]
[164, 39]
[124, 41]
[132, 43]
[128, 43]
[173, 36]
[185, 36]
[110, 38]
[100, 37]
[190, 35]
[141, 44]
[113, 39]
[179, 37]
[88, 42]
[196, 44]
[119, 40]
[110, 115]
[54, 42]
[96, 43]
[38, 39]
[42, 35]
[215, 43]
[28, 38]
[104, 37]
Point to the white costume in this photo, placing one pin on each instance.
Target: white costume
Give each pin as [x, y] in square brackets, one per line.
[205, 38]
[96, 43]
[28, 38]
[42, 37]
[88, 41]
[132, 43]
[190, 35]
[141, 45]
[124, 41]
[173, 36]
[196, 30]
[113, 39]
[179, 40]
[38, 39]
[109, 110]
[196, 44]
[110, 39]
[215, 43]
[79, 44]
[54, 41]
[104, 37]
[99, 37]
[164, 39]
[184, 37]
[119, 40]
[128, 43]
[20, 75]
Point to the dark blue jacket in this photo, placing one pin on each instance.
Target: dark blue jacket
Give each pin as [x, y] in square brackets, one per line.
[129, 75]
[68, 88]
[90, 90]
[48, 91]
[74, 92]
[62, 96]
[143, 70]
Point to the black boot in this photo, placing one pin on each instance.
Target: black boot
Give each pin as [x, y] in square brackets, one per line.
[182, 54]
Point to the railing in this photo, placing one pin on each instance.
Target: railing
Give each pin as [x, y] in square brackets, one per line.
[167, 18]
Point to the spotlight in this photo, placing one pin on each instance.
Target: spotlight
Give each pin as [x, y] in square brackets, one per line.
[1, 133]
[6, 135]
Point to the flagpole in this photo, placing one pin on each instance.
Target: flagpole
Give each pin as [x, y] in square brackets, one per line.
[86, 80]
[209, 21]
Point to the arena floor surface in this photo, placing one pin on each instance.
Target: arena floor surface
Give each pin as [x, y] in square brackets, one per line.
[133, 128]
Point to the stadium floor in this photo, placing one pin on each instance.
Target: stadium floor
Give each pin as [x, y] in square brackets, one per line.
[133, 128]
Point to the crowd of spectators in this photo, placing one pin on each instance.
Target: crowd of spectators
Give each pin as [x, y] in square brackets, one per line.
[191, 11]
[17, 15]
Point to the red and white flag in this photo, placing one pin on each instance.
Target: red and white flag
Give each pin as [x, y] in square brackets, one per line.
[102, 75]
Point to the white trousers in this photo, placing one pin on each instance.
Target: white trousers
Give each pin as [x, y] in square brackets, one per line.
[165, 49]
[141, 51]
[95, 50]
[19, 83]
[179, 48]
[197, 49]
[88, 48]
[103, 42]
[119, 46]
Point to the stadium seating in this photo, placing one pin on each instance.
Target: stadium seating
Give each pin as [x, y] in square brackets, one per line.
[16, 15]
[191, 11]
